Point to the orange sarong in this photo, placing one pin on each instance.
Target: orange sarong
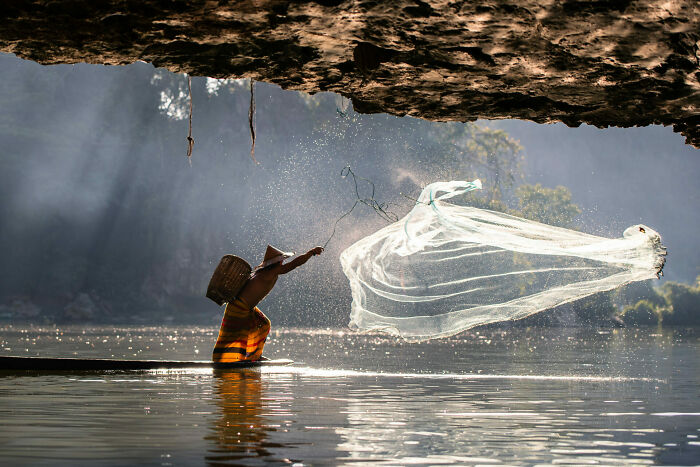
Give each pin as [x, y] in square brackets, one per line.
[242, 334]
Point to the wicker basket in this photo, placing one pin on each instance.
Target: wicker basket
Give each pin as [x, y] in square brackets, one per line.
[230, 276]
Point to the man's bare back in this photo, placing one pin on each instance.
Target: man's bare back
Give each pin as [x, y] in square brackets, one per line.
[263, 279]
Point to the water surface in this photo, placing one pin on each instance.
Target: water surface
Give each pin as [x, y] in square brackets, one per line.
[524, 396]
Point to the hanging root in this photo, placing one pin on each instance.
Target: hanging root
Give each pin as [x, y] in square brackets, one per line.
[190, 140]
[251, 116]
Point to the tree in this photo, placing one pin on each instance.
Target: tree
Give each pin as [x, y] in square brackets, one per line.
[673, 303]
[551, 206]
[644, 312]
[682, 303]
[470, 150]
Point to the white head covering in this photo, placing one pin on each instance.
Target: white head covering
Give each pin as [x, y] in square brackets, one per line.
[274, 255]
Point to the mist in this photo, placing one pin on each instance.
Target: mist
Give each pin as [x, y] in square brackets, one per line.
[98, 198]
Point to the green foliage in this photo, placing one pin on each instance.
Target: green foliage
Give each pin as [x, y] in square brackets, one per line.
[682, 303]
[492, 150]
[644, 313]
[467, 151]
[636, 291]
[673, 303]
[479, 200]
[551, 206]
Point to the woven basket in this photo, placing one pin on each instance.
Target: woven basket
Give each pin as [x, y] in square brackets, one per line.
[230, 276]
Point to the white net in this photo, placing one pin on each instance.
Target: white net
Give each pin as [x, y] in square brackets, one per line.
[445, 267]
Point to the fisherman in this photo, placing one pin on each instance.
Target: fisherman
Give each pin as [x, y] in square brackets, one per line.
[244, 327]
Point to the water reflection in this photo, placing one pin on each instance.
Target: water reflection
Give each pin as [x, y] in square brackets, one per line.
[522, 397]
[241, 432]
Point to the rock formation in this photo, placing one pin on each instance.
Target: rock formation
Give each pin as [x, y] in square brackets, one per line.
[602, 62]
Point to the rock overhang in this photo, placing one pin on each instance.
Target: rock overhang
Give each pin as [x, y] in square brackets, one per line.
[601, 62]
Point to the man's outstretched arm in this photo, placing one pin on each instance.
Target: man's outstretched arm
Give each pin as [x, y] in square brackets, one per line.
[298, 261]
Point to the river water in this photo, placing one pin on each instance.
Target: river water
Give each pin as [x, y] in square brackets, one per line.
[489, 397]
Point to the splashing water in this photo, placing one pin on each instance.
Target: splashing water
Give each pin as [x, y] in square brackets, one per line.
[447, 267]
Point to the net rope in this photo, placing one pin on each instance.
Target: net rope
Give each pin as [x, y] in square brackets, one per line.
[381, 209]
[447, 267]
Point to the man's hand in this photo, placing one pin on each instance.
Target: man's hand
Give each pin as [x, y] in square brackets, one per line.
[299, 260]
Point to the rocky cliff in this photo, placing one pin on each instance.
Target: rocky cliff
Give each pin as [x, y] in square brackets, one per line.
[601, 62]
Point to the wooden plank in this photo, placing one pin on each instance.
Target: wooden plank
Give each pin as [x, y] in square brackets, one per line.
[86, 364]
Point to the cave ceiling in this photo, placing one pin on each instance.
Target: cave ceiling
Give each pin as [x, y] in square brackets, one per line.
[600, 62]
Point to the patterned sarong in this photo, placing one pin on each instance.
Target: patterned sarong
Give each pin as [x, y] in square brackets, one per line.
[242, 334]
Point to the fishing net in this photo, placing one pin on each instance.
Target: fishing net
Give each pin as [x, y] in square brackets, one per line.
[447, 267]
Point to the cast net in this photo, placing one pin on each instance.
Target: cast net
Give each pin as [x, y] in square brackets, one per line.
[447, 267]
